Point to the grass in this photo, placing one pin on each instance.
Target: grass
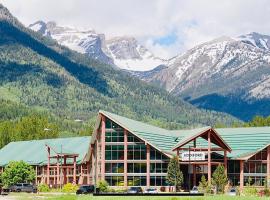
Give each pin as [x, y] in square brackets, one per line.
[51, 196]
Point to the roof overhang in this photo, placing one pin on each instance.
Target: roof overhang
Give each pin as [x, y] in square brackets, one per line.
[216, 139]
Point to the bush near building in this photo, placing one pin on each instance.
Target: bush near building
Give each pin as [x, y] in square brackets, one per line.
[17, 172]
[69, 187]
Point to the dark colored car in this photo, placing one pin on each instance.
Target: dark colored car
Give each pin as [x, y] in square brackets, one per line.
[86, 189]
[23, 187]
[135, 190]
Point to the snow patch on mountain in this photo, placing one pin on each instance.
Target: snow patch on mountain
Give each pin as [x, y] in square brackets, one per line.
[124, 52]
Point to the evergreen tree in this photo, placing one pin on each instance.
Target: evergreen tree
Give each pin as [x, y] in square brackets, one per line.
[203, 184]
[220, 178]
[174, 175]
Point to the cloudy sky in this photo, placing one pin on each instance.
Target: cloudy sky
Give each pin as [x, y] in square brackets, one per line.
[167, 27]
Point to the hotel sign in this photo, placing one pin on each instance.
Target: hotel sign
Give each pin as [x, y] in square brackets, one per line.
[193, 156]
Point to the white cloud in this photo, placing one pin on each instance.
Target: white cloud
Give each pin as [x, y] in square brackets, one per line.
[194, 21]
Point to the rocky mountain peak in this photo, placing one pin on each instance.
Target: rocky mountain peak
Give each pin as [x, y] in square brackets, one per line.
[256, 39]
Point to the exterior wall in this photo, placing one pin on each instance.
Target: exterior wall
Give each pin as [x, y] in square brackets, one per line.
[128, 161]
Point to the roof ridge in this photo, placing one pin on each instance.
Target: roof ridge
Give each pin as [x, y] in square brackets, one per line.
[50, 139]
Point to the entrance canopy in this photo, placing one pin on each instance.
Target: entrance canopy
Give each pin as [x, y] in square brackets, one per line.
[192, 136]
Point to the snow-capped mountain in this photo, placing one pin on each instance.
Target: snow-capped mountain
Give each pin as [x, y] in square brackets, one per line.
[129, 55]
[83, 41]
[232, 71]
[256, 39]
[123, 52]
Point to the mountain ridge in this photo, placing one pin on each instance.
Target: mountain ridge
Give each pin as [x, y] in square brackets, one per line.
[123, 52]
[39, 72]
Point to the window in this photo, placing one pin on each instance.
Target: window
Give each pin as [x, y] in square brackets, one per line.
[136, 167]
[158, 167]
[114, 167]
[114, 152]
[136, 180]
[115, 180]
[156, 155]
[136, 152]
[114, 136]
[158, 181]
[132, 138]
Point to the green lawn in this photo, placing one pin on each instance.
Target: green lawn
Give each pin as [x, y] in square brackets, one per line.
[90, 197]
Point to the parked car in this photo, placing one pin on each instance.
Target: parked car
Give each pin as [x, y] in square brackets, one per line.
[194, 190]
[23, 187]
[232, 192]
[151, 191]
[86, 189]
[134, 190]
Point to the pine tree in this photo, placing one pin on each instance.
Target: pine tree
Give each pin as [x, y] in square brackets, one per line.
[174, 175]
[220, 178]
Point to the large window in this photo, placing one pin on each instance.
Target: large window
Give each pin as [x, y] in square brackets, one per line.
[136, 152]
[136, 167]
[136, 180]
[114, 152]
[233, 166]
[158, 181]
[254, 180]
[158, 167]
[115, 180]
[114, 136]
[114, 167]
[254, 167]
[156, 155]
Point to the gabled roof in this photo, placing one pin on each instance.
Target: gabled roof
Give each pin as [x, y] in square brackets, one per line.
[244, 142]
[162, 139]
[203, 132]
[35, 152]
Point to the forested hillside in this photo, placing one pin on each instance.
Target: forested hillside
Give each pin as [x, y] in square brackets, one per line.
[53, 81]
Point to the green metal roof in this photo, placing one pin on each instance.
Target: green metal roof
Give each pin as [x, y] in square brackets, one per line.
[245, 141]
[242, 141]
[34, 152]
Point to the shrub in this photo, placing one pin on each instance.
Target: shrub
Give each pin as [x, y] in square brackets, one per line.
[103, 186]
[69, 187]
[162, 189]
[17, 172]
[250, 191]
[43, 188]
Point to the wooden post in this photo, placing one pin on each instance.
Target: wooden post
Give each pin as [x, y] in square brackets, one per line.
[103, 127]
[88, 173]
[194, 174]
[48, 165]
[148, 165]
[93, 164]
[65, 170]
[74, 170]
[225, 162]
[241, 175]
[268, 165]
[57, 172]
[36, 174]
[177, 152]
[125, 157]
[209, 158]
